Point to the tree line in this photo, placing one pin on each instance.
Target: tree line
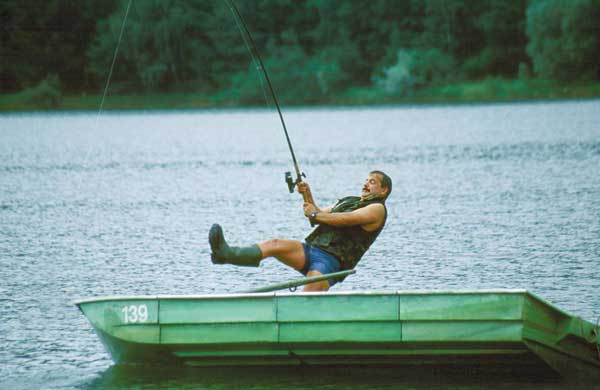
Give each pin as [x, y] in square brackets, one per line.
[311, 48]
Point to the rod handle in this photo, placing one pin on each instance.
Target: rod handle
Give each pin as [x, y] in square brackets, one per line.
[291, 184]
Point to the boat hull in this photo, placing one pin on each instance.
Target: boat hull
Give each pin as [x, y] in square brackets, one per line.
[474, 328]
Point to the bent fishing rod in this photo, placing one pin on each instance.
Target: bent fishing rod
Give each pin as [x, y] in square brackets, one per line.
[249, 41]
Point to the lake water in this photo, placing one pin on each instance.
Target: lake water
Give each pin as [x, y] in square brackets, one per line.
[485, 197]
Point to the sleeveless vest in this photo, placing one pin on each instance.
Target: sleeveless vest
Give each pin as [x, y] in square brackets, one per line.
[347, 243]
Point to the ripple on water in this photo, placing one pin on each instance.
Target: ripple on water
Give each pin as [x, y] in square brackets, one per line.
[476, 205]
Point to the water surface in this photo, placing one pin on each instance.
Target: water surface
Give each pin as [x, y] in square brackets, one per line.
[485, 197]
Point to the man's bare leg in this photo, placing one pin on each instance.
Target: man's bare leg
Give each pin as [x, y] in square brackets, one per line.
[323, 285]
[291, 253]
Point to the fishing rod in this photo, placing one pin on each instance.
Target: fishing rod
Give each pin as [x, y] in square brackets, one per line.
[249, 41]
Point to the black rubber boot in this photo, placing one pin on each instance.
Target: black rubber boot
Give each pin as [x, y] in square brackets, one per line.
[247, 256]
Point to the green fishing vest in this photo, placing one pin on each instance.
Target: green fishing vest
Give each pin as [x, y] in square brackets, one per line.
[347, 243]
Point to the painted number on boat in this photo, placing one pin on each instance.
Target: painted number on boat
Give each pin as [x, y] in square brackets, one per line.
[135, 313]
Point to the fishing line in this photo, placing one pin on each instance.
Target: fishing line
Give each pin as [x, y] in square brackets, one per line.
[114, 60]
[108, 79]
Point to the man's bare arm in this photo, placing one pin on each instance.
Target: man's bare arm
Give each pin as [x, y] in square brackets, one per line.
[370, 217]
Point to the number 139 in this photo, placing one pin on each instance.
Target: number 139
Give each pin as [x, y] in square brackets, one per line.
[133, 314]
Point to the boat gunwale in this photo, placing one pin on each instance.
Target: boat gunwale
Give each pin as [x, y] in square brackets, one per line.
[237, 295]
[299, 294]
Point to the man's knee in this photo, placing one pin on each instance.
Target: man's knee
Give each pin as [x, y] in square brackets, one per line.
[277, 246]
[274, 243]
[323, 285]
[284, 244]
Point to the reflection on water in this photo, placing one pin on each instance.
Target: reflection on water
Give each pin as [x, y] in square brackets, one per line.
[498, 196]
[350, 378]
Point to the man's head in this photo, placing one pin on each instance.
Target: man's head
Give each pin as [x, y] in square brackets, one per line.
[378, 184]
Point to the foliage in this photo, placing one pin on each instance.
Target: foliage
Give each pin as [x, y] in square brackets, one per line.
[287, 68]
[313, 49]
[494, 89]
[47, 37]
[163, 45]
[414, 68]
[564, 38]
[46, 94]
[502, 29]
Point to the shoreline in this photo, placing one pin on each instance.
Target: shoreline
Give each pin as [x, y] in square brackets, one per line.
[489, 91]
[290, 108]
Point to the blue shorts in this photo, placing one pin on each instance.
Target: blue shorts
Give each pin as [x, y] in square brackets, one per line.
[319, 260]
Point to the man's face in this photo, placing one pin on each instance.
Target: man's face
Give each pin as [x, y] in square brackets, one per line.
[373, 186]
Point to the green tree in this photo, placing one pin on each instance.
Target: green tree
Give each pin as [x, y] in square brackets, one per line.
[296, 77]
[485, 38]
[270, 23]
[40, 38]
[164, 45]
[46, 94]
[415, 68]
[450, 26]
[502, 25]
[564, 38]
[356, 35]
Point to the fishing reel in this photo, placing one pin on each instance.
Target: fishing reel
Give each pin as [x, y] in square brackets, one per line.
[291, 183]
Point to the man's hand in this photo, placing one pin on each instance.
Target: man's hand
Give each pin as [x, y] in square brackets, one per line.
[309, 208]
[303, 187]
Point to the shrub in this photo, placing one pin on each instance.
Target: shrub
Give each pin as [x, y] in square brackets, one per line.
[563, 38]
[46, 94]
[414, 68]
[295, 76]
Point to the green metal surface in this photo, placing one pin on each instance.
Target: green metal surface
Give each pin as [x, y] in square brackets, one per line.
[469, 327]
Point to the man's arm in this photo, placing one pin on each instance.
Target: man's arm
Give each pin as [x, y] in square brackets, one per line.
[304, 189]
[369, 218]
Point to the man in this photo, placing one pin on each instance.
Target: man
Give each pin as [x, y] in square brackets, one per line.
[346, 230]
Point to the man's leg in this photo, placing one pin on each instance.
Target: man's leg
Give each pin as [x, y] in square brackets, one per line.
[323, 285]
[222, 253]
[289, 252]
